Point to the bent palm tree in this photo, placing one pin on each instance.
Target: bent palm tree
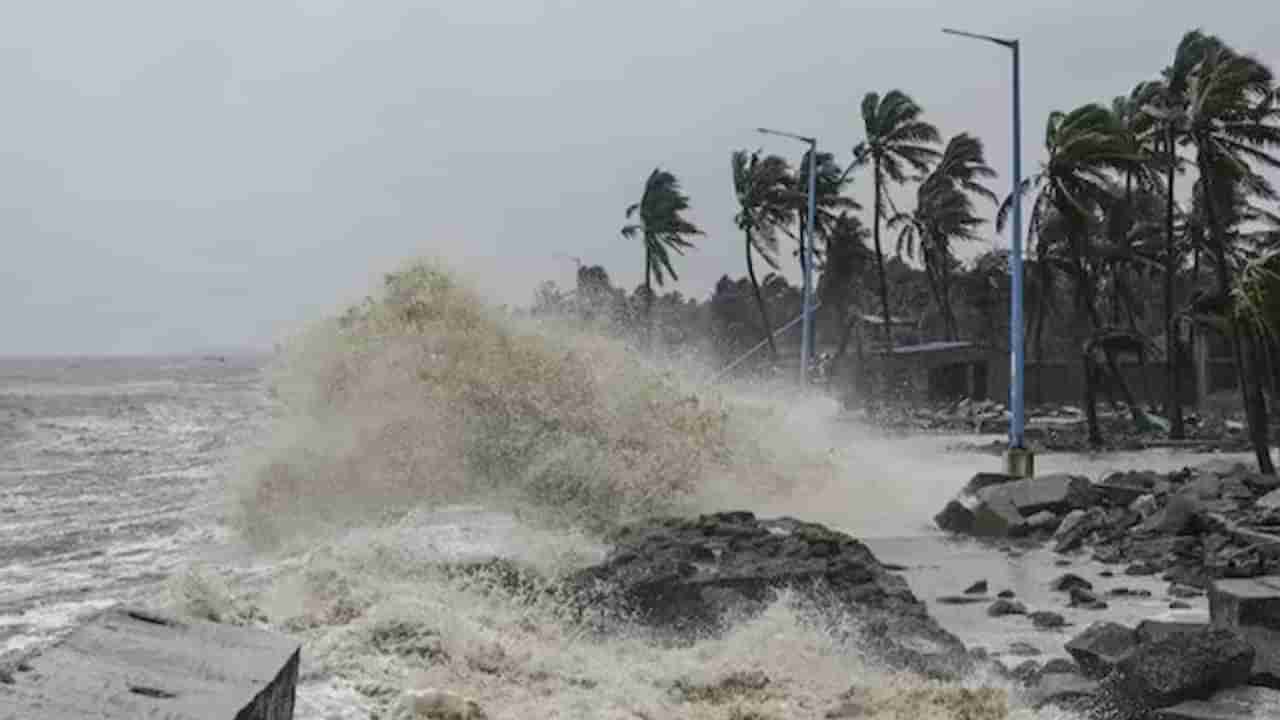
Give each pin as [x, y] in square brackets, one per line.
[944, 212]
[1166, 103]
[1231, 120]
[1085, 147]
[762, 188]
[895, 135]
[661, 228]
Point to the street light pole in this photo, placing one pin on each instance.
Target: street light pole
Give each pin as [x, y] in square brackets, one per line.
[806, 252]
[1020, 461]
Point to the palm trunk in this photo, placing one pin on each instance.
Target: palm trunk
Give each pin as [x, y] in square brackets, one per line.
[648, 297]
[1084, 321]
[1043, 298]
[884, 284]
[936, 291]
[1252, 401]
[1173, 395]
[755, 288]
[953, 328]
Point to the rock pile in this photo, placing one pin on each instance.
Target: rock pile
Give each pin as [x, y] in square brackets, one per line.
[1192, 526]
[1058, 428]
[1173, 671]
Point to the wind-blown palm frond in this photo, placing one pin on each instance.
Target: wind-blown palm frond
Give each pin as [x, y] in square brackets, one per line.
[896, 138]
[661, 226]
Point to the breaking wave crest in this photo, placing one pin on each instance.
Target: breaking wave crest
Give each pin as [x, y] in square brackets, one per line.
[425, 394]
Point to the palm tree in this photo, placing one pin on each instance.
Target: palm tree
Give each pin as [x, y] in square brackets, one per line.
[944, 212]
[1086, 148]
[895, 135]
[762, 187]
[1167, 104]
[661, 228]
[1231, 121]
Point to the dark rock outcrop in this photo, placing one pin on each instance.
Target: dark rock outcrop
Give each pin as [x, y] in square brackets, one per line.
[686, 577]
[1181, 667]
[1101, 647]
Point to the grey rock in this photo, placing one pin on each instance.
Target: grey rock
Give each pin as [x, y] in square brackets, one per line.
[1177, 518]
[1061, 665]
[1101, 647]
[1002, 607]
[978, 588]
[1145, 505]
[1181, 667]
[684, 576]
[955, 517]
[1046, 620]
[1184, 592]
[1023, 649]
[1063, 689]
[1064, 583]
[1043, 521]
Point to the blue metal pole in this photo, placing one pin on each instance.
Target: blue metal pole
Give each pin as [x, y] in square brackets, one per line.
[807, 249]
[1017, 346]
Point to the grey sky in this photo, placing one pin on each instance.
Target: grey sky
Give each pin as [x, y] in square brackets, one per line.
[177, 175]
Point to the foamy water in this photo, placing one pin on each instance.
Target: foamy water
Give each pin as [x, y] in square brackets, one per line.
[330, 511]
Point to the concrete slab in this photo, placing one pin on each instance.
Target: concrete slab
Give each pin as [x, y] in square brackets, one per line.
[129, 663]
[1251, 607]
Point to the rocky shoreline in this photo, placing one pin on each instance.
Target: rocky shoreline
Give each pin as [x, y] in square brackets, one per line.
[1204, 530]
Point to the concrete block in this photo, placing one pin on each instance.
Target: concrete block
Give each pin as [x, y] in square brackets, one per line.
[1251, 608]
[1058, 494]
[130, 663]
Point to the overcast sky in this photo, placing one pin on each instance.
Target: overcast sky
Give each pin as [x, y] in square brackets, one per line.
[178, 175]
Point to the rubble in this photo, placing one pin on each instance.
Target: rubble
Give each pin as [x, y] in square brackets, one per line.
[1057, 428]
[1190, 527]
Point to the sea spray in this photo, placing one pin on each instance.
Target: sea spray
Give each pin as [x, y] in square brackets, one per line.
[425, 395]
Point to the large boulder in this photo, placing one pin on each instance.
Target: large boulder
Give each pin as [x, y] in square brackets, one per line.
[997, 516]
[956, 517]
[1181, 667]
[1101, 647]
[1122, 488]
[683, 577]
[1076, 527]
[1179, 517]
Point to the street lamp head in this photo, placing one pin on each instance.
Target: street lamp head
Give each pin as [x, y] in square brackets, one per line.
[999, 41]
[793, 136]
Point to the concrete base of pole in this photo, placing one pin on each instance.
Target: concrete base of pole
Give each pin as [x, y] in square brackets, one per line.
[1020, 463]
